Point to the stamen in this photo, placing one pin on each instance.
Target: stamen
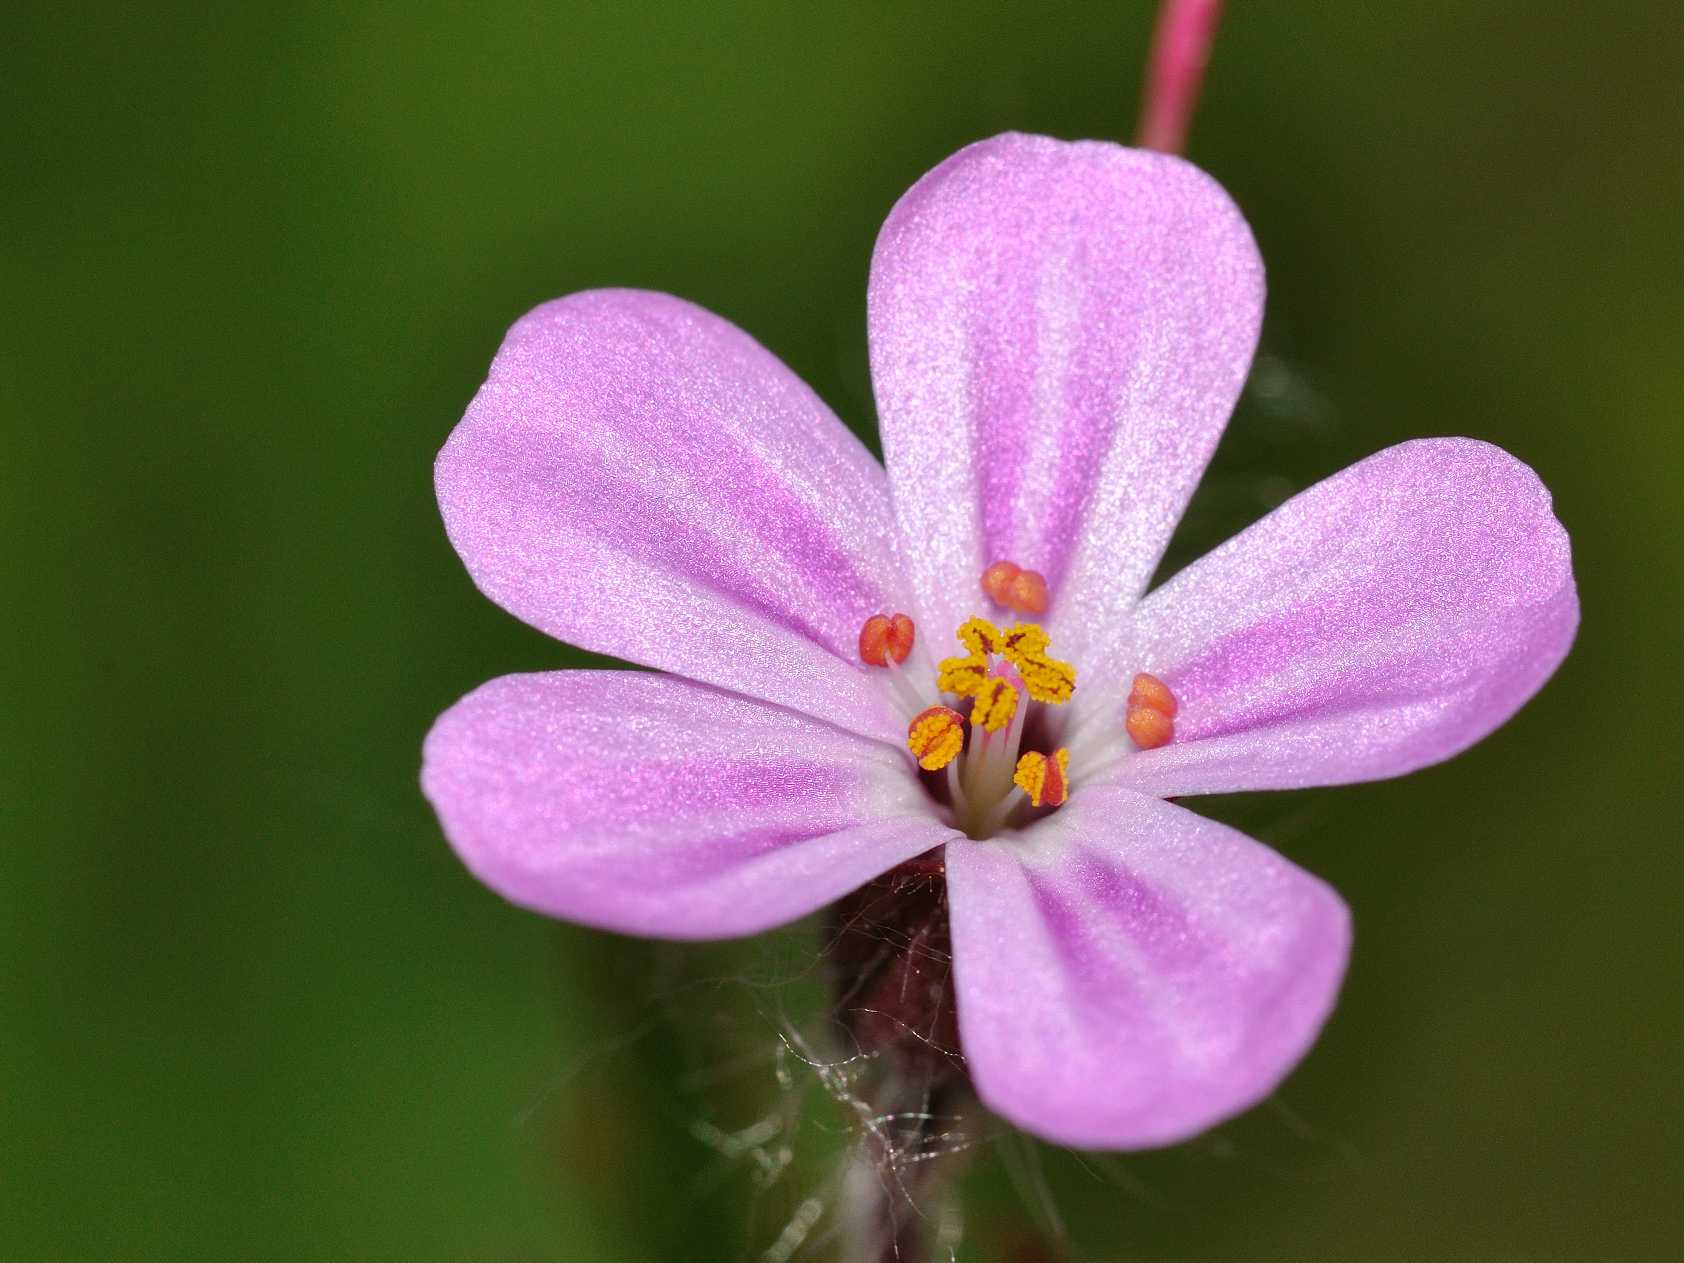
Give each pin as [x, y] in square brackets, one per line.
[884, 639]
[1047, 679]
[1008, 584]
[978, 635]
[1028, 593]
[1149, 690]
[1149, 728]
[996, 703]
[935, 737]
[966, 675]
[1026, 638]
[1001, 672]
[1046, 781]
[963, 676]
[1151, 712]
[997, 581]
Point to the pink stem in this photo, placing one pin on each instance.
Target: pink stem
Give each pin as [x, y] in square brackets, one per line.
[1180, 48]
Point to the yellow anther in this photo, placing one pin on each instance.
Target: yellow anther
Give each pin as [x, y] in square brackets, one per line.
[1026, 638]
[935, 737]
[1031, 775]
[963, 676]
[978, 635]
[1047, 678]
[966, 675]
[1024, 645]
[1046, 781]
[996, 703]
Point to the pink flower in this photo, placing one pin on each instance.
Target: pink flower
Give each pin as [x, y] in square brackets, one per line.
[1058, 334]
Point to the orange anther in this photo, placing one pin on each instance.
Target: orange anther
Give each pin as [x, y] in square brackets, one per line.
[1152, 692]
[883, 639]
[1149, 727]
[935, 737]
[1028, 593]
[997, 581]
[1009, 584]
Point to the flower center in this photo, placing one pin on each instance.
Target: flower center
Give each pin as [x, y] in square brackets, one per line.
[985, 736]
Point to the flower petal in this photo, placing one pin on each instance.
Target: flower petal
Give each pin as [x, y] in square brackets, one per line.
[642, 478]
[650, 805]
[1385, 619]
[1130, 973]
[1058, 334]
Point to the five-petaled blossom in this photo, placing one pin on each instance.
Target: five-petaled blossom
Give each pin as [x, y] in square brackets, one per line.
[960, 651]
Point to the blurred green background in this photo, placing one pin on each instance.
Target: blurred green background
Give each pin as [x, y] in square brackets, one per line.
[256, 262]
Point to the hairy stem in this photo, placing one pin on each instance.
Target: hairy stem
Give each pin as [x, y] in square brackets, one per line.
[891, 969]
